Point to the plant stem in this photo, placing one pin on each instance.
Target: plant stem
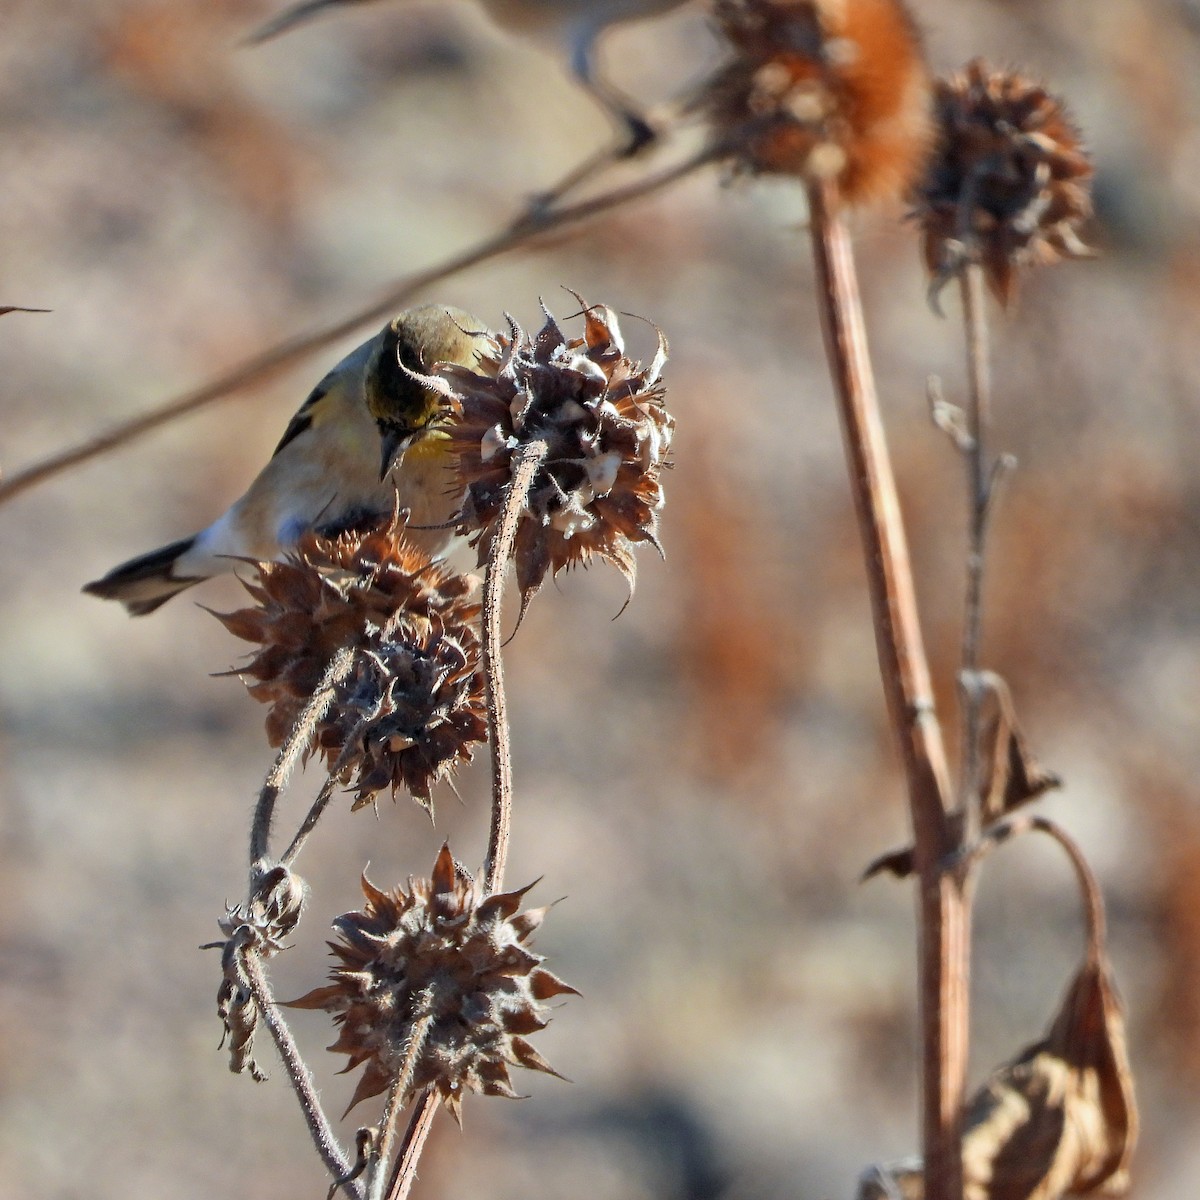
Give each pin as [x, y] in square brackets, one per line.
[518, 235]
[405, 1174]
[525, 463]
[978, 497]
[943, 953]
[310, 820]
[301, 1080]
[396, 1094]
[290, 752]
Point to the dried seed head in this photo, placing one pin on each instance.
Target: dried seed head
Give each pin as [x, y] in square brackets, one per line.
[444, 969]
[410, 705]
[256, 928]
[824, 89]
[606, 434]
[1008, 185]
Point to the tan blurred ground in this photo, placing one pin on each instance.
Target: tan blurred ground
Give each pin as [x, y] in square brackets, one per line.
[705, 778]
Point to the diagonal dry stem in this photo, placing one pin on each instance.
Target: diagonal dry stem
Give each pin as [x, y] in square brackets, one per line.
[300, 1078]
[419, 1125]
[518, 235]
[396, 1093]
[942, 909]
[290, 752]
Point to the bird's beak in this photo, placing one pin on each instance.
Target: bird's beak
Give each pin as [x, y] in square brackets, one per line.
[392, 441]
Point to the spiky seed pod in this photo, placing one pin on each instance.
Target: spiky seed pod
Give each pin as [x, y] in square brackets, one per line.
[411, 706]
[607, 433]
[823, 89]
[1009, 184]
[406, 714]
[444, 958]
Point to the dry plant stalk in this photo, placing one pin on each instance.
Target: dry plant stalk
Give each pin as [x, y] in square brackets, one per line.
[377, 661]
[843, 93]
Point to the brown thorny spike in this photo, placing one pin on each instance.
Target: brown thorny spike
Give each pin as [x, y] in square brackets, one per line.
[411, 706]
[597, 492]
[443, 955]
[828, 90]
[1008, 186]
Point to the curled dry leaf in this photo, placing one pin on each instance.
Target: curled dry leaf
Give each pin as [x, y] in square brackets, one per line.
[1014, 777]
[1060, 1119]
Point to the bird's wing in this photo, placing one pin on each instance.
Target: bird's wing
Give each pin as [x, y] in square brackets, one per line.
[348, 373]
[304, 414]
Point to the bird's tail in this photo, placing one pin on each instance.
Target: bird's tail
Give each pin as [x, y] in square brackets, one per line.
[144, 583]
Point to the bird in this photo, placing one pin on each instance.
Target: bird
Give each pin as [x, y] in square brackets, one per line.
[576, 25]
[368, 440]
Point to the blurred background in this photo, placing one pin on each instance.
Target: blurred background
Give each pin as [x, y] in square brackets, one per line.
[702, 780]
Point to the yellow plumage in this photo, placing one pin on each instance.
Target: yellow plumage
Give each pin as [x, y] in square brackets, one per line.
[365, 440]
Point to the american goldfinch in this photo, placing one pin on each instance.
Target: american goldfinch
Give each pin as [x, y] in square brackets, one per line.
[366, 440]
[573, 24]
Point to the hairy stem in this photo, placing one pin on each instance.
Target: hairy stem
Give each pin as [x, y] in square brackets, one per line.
[942, 909]
[311, 818]
[525, 463]
[419, 1125]
[326, 1143]
[397, 1092]
[978, 497]
[518, 235]
[290, 752]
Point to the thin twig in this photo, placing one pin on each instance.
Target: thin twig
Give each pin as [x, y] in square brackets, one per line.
[397, 1092]
[942, 909]
[290, 752]
[525, 463]
[332, 1154]
[1093, 898]
[421, 1122]
[525, 229]
[979, 486]
[311, 818]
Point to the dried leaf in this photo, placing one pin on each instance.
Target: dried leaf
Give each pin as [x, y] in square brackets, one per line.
[1060, 1119]
[895, 862]
[1014, 777]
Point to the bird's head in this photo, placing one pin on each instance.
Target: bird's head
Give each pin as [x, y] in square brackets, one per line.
[405, 409]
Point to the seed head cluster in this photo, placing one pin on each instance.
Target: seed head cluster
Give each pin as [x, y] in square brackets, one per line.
[1009, 183]
[439, 975]
[824, 89]
[606, 436]
[409, 706]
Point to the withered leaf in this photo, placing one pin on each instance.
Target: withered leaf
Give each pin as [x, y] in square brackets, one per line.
[1059, 1120]
[1013, 776]
[894, 862]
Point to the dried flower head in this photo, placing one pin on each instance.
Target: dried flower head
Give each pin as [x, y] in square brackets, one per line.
[256, 928]
[606, 434]
[409, 706]
[439, 974]
[1009, 183]
[824, 89]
